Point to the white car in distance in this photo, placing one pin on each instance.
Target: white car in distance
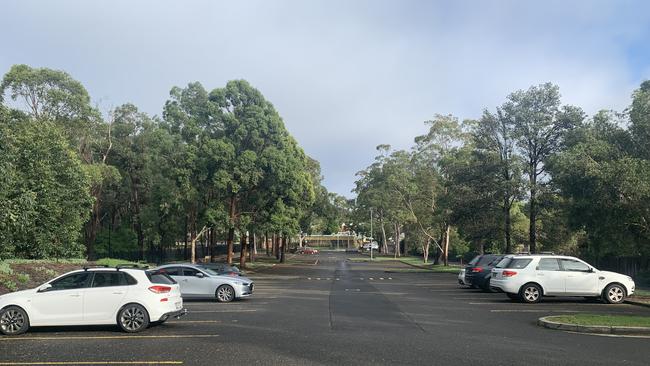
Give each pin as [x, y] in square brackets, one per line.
[131, 298]
[530, 277]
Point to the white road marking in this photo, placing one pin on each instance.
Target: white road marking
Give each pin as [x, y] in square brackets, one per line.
[610, 335]
[534, 311]
[60, 338]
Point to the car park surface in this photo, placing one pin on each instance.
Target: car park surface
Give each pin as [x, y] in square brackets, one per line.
[336, 312]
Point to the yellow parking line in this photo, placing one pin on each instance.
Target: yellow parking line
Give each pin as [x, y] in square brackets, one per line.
[95, 363]
[7, 339]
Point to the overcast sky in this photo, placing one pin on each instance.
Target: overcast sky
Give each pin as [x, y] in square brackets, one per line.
[345, 75]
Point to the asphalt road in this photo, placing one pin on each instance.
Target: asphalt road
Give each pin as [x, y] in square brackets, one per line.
[330, 311]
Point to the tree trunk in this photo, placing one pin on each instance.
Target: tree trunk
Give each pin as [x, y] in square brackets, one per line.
[276, 246]
[446, 251]
[384, 242]
[507, 225]
[425, 250]
[242, 252]
[533, 214]
[283, 248]
[231, 230]
[267, 245]
[253, 248]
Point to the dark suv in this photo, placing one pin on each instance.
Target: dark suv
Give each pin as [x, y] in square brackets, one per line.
[479, 270]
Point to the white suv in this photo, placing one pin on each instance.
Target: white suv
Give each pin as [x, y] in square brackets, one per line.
[529, 277]
[130, 298]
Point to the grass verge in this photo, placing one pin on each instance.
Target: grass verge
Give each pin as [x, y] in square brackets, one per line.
[603, 320]
[412, 261]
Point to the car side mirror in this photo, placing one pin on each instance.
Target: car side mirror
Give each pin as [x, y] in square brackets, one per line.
[45, 287]
[200, 274]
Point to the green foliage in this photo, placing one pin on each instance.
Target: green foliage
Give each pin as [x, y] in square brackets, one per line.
[5, 268]
[45, 200]
[113, 262]
[8, 284]
[22, 278]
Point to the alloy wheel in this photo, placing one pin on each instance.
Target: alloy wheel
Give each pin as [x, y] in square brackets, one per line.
[531, 294]
[12, 321]
[615, 294]
[132, 318]
[225, 293]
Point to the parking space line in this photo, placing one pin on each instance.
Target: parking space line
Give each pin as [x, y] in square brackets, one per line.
[194, 321]
[609, 335]
[224, 311]
[95, 363]
[68, 338]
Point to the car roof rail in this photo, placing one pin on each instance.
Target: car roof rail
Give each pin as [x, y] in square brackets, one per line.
[547, 253]
[131, 265]
[96, 266]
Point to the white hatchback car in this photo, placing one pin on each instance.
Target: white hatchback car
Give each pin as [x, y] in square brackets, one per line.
[529, 277]
[130, 298]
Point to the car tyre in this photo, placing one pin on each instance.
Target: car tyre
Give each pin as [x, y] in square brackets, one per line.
[225, 293]
[614, 294]
[531, 293]
[133, 318]
[13, 321]
[486, 285]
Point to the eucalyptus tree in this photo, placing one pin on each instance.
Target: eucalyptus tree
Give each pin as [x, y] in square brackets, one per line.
[540, 123]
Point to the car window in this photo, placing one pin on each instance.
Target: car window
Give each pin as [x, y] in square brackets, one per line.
[517, 263]
[574, 265]
[548, 264]
[160, 277]
[504, 262]
[107, 279]
[189, 272]
[474, 260]
[486, 260]
[172, 271]
[73, 281]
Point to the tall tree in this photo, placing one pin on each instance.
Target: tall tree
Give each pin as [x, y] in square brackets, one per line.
[540, 125]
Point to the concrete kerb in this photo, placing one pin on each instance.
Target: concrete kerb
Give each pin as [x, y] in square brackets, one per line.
[547, 322]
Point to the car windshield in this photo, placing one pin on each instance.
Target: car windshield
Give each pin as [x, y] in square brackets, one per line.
[209, 271]
[474, 260]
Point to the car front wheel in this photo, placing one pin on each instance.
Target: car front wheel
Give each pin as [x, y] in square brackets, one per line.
[531, 293]
[614, 294]
[225, 293]
[13, 321]
[133, 318]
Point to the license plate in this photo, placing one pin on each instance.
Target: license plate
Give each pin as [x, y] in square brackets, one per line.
[178, 306]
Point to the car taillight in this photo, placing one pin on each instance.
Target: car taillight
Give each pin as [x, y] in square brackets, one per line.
[477, 269]
[160, 289]
[508, 273]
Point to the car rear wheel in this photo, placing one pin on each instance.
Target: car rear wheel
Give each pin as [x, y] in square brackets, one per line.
[530, 293]
[225, 293]
[614, 294]
[133, 318]
[13, 321]
[486, 285]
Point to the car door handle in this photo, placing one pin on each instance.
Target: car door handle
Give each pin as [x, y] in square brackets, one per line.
[184, 280]
[75, 295]
[118, 293]
[540, 274]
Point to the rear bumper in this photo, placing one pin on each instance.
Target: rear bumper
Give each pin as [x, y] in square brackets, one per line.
[175, 314]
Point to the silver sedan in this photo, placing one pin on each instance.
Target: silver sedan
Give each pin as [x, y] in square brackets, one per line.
[201, 282]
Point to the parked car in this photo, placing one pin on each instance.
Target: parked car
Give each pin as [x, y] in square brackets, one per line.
[461, 278]
[130, 298]
[223, 269]
[197, 281]
[307, 250]
[374, 245]
[479, 270]
[530, 277]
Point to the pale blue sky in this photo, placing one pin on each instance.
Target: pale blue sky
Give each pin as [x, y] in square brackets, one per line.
[345, 75]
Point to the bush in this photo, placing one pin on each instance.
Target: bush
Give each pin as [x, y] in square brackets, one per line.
[5, 267]
[22, 278]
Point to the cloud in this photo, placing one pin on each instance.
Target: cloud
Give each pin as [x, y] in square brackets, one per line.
[345, 76]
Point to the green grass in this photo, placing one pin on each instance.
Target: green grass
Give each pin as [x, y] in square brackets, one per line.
[22, 278]
[642, 293]
[112, 262]
[604, 320]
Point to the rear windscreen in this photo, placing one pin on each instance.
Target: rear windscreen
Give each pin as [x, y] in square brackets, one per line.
[160, 277]
[473, 261]
[514, 263]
